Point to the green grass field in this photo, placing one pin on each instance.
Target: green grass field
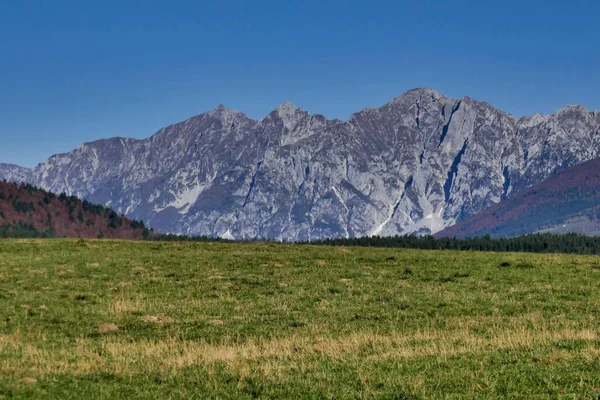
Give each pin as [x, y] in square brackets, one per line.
[116, 319]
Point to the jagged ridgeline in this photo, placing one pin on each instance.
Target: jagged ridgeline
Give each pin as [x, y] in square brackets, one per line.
[27, 211]
[418, 164]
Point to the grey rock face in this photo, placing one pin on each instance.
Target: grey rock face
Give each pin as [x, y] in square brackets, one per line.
[14, 173]
[418, 164]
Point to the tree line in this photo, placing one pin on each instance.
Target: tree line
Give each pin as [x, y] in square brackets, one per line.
[533, 243]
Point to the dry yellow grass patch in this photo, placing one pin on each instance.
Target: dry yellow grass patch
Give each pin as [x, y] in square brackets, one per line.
[28, 380]
[38, 271]
[16, 340]
[124, 306]
[321, 262]
[32, 241]
[449, 296]
[125, 357]
[323, 304]
[343, 250]
[157, 319]
[171, 354]
[103, 328]
[93, 265]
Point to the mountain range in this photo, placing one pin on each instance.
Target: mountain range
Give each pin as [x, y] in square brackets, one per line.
[418, 164]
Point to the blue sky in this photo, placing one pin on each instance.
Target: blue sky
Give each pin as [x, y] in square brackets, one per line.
[76, 71]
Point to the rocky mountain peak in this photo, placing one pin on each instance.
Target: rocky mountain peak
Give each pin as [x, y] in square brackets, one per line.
[225, 113]
[418, 95]
[423, 92]
[534, 120]
[286, 107]
[572, 108]
[289, 114]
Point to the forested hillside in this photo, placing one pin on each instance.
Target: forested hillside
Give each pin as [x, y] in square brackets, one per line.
[564, 203]
[27, 211]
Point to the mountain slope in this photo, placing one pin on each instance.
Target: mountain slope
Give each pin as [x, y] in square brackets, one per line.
[14, 173]
[566, 202]
[28, 211]
[417, 164]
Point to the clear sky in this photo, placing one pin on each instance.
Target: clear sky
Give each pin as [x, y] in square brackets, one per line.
[76, 71]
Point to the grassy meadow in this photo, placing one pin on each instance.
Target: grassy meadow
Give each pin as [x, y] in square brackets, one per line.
[118, 319]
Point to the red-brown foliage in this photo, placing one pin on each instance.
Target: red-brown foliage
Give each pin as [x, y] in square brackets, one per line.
[63, 216]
